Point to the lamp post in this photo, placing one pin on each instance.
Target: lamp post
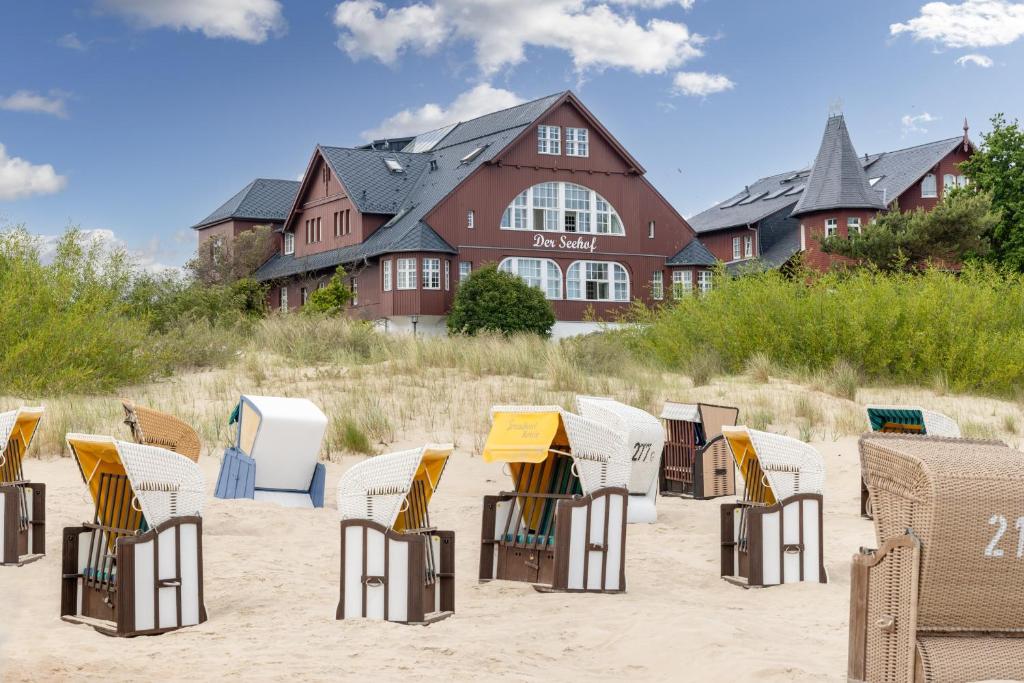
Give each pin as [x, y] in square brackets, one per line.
[415, 320]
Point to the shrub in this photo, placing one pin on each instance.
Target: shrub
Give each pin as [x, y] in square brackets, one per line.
[331, 299]
[494, 300]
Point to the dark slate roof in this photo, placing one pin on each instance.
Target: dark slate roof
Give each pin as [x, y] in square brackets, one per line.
[693, 254]
[837, 179]
[778, 238]
[262, 199]
[372, 187]
[897, 171]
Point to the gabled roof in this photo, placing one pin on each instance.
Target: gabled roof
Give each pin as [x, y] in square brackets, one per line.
[837, 179]
[262, 199]
[693, 254]
[371, 185]
[897, 171]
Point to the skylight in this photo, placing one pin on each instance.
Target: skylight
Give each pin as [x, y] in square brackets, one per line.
[872, 181]
[733, 202]
[775, 194]
[394, 166]
[753, 198]
[472, 155]
[796, 190]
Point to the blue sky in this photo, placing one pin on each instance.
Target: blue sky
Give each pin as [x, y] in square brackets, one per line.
[139, 117]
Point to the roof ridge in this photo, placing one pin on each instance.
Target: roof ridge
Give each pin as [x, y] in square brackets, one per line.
[923, 144]
[514, 106]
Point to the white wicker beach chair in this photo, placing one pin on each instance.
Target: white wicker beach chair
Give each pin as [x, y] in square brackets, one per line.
[22, 502]
[774, 534]
[136, 569]
[394, 564]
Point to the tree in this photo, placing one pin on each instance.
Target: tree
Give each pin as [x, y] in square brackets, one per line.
[997, 168]
[331, 299]
[220, 263]
[491, 299]
[896, 240]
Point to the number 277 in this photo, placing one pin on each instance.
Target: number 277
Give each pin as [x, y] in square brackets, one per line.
[999, 521]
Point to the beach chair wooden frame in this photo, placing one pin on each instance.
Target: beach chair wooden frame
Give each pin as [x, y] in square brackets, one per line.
[153, 428]
[774, 535]
[888, 419]
[942, 598]
[563, 526]
[22, 502]
[696, 461]
[395, 565]
[137, 567]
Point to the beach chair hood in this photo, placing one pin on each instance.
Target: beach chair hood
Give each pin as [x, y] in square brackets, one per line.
[790, 466]
[164, 483]
[911, 418]
[685, 412]
[645, 436]
[376, 488]
[20, 424]
[283, 436]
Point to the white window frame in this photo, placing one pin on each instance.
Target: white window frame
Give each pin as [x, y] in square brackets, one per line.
[650, 230]
[748, 246]
[465, 268]
[577, 274]
[658, 285]
[831, 227]
[577, 142]
[737, 248]
[283, 298]
[682, 283]
[386, 270]
[354, 287]
[549, 140]
[289, 243]
[406, 274]
[512, 264]
[447, 275]
[431, 273]
[962, 181]
[470, 219]
[520, 214]
[929, 190]
[704, 280]
[852, 225]
[948, 182]
[303, 295]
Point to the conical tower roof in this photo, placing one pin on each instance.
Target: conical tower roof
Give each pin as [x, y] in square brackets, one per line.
[837, 179]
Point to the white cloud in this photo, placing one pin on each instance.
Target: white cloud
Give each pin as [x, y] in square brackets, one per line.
[147, 258]
[19, 178]
[27, 100]
[252, 21]
[972, 23]
[595, 35]
[71, 41]
[653, 4]
[480, 100]
[917, 123]
[700, 84]
[978, 60]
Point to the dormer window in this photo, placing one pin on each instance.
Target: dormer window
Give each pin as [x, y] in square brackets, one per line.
[549, 140]
[394, 166]
[289, 243]
[928, 188]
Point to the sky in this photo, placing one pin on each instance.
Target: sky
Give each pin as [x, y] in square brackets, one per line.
[136, 118]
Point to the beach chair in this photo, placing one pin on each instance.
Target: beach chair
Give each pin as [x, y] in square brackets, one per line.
[696, 461]
[276, 452]
[563, 526]
[395, 565]
[646, 437]
[153, 428]
[774, 534]
[137, 568]
[22, 502]
[942, 599]
[904, 420]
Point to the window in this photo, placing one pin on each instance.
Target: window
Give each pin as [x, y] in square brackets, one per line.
[562, 207]
[928, 186]
[406, 273]
[318, 233]
[337, 224]
[321, 284]
[303, 295]
[736, 248]
[283, 303]
[470, 219]
[348, 221]
[577, 142]
[948, 182]
[465, 268]
[447, 275]
[872, 181]
[852, 225]
[472, 155]
[386, 269]
[307, 231]
[544, 274]
[289, 243]
[704, 280]
[353, 285]
[831, 227]
[657, 285]
[961, 181]
[682, 283]
[748, 246]
[393, 165]
[650, 230]
[597, 281]
[431, 273]
[549, 140]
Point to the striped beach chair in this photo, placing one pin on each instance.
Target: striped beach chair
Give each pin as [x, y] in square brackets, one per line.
[22, 502]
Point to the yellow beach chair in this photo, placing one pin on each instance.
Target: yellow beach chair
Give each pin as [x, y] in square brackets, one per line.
[22, 502]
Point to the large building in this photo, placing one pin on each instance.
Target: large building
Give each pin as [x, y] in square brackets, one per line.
[263, 202]
[541, 189]
[774, 219]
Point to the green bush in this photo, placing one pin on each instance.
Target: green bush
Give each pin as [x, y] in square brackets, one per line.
[898, 328]
[494, 300]
[332, 299]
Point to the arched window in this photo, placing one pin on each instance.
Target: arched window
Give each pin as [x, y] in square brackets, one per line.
[597, 281]
[562, 207]
[928, 188]
[542, 273]
[961, 180]
[948, 182]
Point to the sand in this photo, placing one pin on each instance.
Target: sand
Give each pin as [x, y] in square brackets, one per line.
[272, 588]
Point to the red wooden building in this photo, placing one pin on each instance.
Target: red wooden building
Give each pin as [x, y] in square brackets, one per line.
[542, 189]
[776, 218]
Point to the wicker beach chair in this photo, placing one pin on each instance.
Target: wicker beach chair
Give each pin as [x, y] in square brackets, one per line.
[563, 526]
[22, 502]
[276, 452]
[137, 568]
[395, 565]
[696, 461]
[904, 420]
[942, 599]
[646, 437]
[774, 534]
[153, 428]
